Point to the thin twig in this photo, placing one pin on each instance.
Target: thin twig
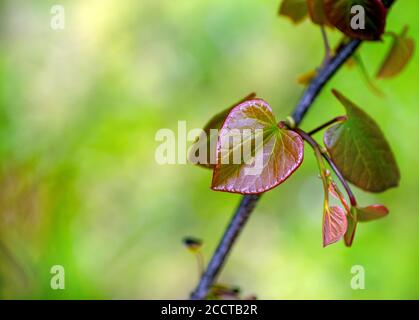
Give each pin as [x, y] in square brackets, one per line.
[327, 124]
[328, 51]
[249, 202]
[332, 165]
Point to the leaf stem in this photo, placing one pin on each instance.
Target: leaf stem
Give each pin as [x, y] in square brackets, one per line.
[327, 124]
[200, 263]
[345, 184]
[332, 165]
[328, 51]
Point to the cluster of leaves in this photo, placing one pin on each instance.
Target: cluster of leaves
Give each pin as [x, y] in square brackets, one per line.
[355, 148]
[362, 156]
[337, 14]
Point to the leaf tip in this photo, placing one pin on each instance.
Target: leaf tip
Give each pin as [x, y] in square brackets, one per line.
[336, 93]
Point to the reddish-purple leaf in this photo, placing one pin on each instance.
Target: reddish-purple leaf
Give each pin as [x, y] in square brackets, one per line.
[317, 12]
[360, 150]
[207, 140]
[339, 14]
[296, 10]
[254, 154]
[399, 55]
[337, 194]
[372, 212]
[334, 225]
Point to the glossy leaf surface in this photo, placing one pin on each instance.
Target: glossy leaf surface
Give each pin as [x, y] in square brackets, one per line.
[273, 153]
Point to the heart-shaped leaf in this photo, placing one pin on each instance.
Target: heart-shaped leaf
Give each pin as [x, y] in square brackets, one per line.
[372, 212]
[296, 10]
[207, 140]
[254, 154]
[360, 150]
[359, 19]
[334, 225]
[399, 55]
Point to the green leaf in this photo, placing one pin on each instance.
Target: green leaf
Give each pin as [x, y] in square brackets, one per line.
[398, 56]
[207, 140]
[372, 212]
[334, 225]
[360, 150]
[339, 14]
[296, 10]
[254, 154]
[352, 224]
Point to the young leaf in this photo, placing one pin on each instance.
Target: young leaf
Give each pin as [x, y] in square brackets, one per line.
[192, 244]
[399, 55]
[307, 77]
[352, 224]
[372, 212]
[209, 137]
[340, 14]
[334, 225]
[317, 12]
[334, 218]
[275, 152]
[360, 150]
[294, 9]
[335, 192]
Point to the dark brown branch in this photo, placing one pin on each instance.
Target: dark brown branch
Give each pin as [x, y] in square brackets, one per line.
[248, 202]
[243, 212]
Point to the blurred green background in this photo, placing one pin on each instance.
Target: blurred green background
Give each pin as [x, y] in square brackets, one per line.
[79, 186]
